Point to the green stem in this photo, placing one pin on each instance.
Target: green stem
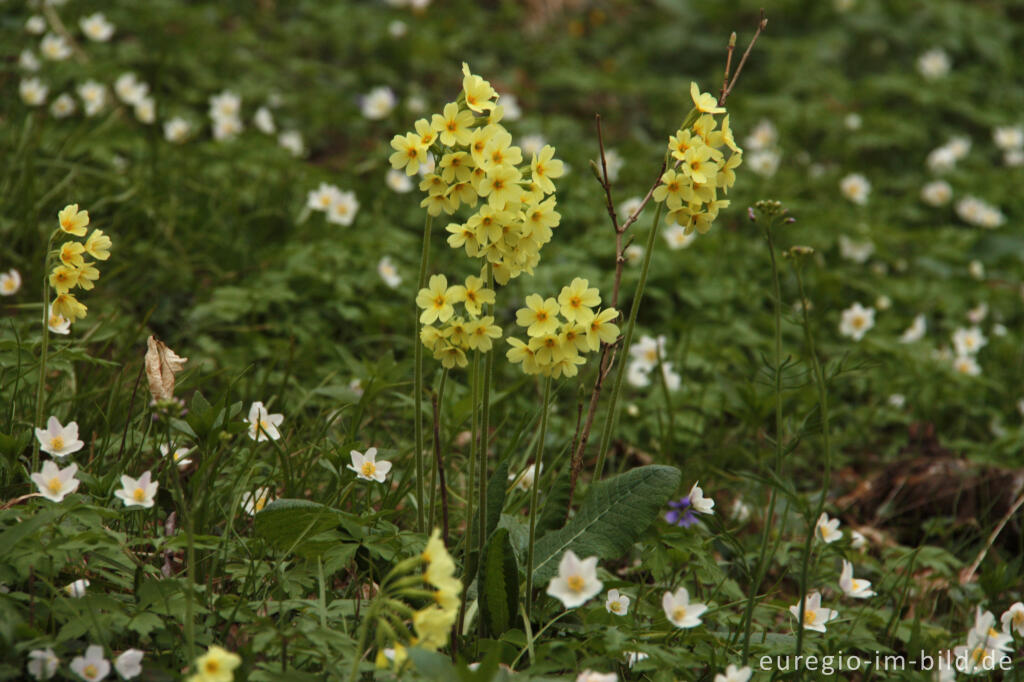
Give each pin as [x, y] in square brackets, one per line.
[762, 567]
[609, 423]
[542, 434]
[485, 420]
[434, 473]
[819, 380]
[417, 399]
[364, 631]
[41, 388]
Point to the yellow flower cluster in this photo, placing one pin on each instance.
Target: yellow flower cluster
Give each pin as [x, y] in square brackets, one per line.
[433, 623]
[699, 169]
[73, 270]
[562, 330]
[474, 331]
[477, 162]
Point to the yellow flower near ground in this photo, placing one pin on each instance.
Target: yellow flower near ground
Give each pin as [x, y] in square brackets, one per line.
[216, 665]
[66, 305]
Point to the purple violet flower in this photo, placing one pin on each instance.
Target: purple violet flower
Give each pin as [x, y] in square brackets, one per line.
[680, 513]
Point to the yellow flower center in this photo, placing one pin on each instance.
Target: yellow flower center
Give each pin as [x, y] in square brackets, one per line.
[679, 613]
[412, 153]
[264, 425]
[810, 616]
[977, 654]
[498, 184]
[854, 585]
[54, 320]
[139, 495]
[212, 667]
[57, 443]
[439, 302]
[1018, 618]
[90, 671]
[575, 583]
[575, 302]
[369, 469]
[8, 285]
[260, 503]
[615, 606]
[542, 316]
[55, 485]
[325, 200]
[451, 127]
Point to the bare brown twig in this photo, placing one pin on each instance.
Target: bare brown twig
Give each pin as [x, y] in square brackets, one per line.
[762, 24]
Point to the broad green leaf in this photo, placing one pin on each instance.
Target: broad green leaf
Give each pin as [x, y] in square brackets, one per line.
[496, 495]
[290, 524]
[498, 584]
[615, 513]
[556, 505]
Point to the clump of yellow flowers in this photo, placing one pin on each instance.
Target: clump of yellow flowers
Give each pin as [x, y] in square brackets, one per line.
[699, 169]
[476, 162]
[562, 330]
[436, 586]
[73, 270]
[474, 331]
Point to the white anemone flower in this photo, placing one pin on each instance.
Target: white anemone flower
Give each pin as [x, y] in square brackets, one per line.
[93, 666]
[388, 272]
[937, 193]
[398, 181]
[617, 603]
[734, 674]
[35, 25]
[94, 97]
[42, 663]
[138, 492]
[57, 324]
[77, 589]
[10, 282]
[576, 582]
[815, 617]
[915, 332]
[934, 64]
[699, 503]
[591, 676]
[176, 130]
[63, 106]
[344, 208]
[179, 455]
[57, 440]
[55, 483]
[262, 424]
[856, 188]
[852, 587]
[323, 197]
[1013, 619]
[968, 341]
[33, 91]
[378, 103]
[254, 502]
[264, 121]
[291, 141]
[827, 529]
[856, 321]
[966, 364]
[96, 27]
[367, 467]
[678, 238]
[54, 47]
[130, 89]
[129, 663]
[680, 611]
[524, 480]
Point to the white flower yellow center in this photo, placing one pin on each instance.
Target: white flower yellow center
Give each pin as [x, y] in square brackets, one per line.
[855, 585]
[858, 321]
[679, 613]
[615, 606]
[55, 485]
[8, 284]
[89, 671]
[810, 617]
[265, 425]
[138, 494]
[57, 442]
[575, 583]
[368, 469]
[261, 502]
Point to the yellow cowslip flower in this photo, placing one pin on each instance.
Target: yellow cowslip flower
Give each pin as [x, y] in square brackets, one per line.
[431, 336]
[440, 567]
[547, 348]
[453, 126]
[725, 136]
[577, 299]
[573, 338]
[87, 274]
[450, 356]
[457, 333]
[501, 186]
[436, 300]
[488, 224]
[540, 219]
[671, 190]
[500, 151]
[456, 167]
[680, 143]
[475, 294]
[700, 193]
[478, 143]
[495, 115]
[72, 220]
[98, 245]
[481, 332]
[540, 316]
[601, 329]
[727, 173]
[408, 153]
[532, 193]
[66, 305]
[433, 625]
[71, 254]
[462, 193]
[704, 102]
[425, 134]
[436, 203]
[63, 278]
[567, 365]
[544, 167]
[463, 235]
[698, 165]
[703, 127]
[216, 665]
[477, 91]
[522, 353]
[433, 184]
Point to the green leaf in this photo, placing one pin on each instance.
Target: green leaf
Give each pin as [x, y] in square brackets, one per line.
[289, 524]
[498, 584]
[556, 504]
[615, 513]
